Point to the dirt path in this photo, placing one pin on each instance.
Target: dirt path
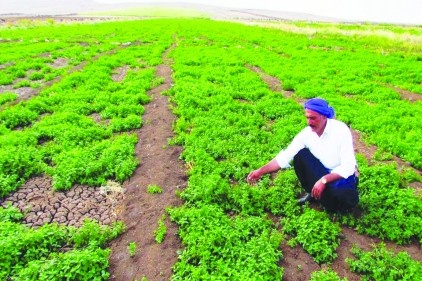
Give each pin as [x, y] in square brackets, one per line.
[140, 210]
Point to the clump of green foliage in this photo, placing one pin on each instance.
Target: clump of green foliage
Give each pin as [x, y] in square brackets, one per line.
[7, 97]
[242, 247]
[132, 249]
[315, 232]
[154, 189]
[383, 264]
[325, 275]
[396, 209]
[53, 251]
[161, 230]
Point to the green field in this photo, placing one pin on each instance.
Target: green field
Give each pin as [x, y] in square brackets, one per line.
[229, 122]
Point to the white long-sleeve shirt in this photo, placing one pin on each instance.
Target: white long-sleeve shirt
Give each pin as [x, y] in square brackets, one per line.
[334, 148]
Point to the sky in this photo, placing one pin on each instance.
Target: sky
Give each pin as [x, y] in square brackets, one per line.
[388, 11]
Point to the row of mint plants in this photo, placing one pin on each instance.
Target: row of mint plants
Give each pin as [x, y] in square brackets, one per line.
[75, 129]
[230, 123]
[28, 60]
[225, 118]
[79, 130]
[27, 55]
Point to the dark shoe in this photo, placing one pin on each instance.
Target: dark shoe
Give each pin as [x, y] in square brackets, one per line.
[307, 198]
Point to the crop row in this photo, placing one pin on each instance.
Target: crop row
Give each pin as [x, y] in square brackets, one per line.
[78, 130]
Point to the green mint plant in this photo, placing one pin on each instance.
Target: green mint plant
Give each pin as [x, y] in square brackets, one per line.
[10, 214]
[383, 264]
[7, 97]
[53, 251]
[161, 230]
[154, 189]
[315, 232]
[77, 264]
[325, 275]
[397, 210]
[132, 249]
[239, 247]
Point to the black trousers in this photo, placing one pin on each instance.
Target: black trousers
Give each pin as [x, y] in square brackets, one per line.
[340, 195]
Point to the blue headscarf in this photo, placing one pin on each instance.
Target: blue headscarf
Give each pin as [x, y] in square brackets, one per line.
[321, 106]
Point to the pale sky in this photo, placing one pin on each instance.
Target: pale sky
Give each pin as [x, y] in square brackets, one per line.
[390, 11]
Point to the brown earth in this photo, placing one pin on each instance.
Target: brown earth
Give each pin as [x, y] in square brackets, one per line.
[140, 211]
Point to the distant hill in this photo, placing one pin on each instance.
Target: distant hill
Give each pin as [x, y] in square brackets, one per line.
[28, 8]
[51, 7]
[75, 7]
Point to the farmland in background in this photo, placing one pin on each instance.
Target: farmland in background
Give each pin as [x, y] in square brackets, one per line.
[65, 115]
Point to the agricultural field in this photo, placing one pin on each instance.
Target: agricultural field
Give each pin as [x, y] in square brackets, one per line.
[125, 147]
